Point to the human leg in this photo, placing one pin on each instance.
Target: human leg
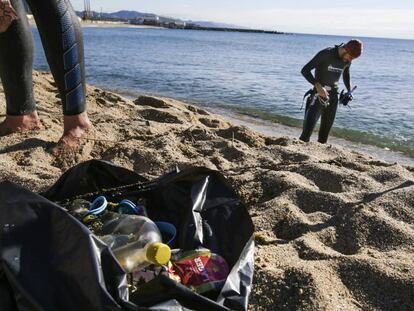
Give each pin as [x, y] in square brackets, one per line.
[16, 65]
[62, 40]
[328, 118]
[312, 115]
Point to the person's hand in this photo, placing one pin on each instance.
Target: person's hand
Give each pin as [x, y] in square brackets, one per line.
[322, 92]
[7, 15]
[346, 98]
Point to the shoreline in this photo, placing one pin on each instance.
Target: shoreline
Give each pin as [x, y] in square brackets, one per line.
[273, 128]
[121, 24]
[117, 25]
[277, 129]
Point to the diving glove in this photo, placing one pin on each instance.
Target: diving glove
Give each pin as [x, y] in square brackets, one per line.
[346, 98]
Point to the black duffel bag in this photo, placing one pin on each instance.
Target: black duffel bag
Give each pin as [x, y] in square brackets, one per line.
[51, 261]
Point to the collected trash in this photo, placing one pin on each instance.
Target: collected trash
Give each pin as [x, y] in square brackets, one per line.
[200, 270]
[137, 244]
[140, 277]
[135, 241]
[104, 238]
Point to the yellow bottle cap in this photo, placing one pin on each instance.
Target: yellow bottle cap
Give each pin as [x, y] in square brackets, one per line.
[159, 254]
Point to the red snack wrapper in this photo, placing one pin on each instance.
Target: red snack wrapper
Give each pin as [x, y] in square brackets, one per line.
[200, 270]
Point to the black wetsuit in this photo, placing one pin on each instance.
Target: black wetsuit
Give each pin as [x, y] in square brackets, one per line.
[329, 68]
[60, 33]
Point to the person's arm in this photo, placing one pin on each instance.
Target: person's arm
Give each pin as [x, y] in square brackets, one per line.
[314, 62]
[347, 78]
[307, 72]
[7, 15]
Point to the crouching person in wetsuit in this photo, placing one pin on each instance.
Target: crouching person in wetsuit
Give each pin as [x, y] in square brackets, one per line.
[329, 64]
[60, 33]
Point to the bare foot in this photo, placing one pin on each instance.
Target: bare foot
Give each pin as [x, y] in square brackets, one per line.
[20, 124]
[76, 128]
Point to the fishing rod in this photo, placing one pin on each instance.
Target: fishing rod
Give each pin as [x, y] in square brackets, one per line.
[117, 192]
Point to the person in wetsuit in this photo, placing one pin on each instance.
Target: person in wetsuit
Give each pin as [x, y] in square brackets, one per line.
[329, 65]
[61, 37]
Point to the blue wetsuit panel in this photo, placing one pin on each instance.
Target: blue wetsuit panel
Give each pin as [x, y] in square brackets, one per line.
[75, 97]
[73, 78]
[71, 57]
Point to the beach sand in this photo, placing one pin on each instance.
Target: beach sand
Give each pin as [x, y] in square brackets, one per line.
[335, 227]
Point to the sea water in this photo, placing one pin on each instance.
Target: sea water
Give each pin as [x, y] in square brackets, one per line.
[256, 75]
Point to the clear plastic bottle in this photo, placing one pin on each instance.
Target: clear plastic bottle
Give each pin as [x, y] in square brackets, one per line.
[136, 242]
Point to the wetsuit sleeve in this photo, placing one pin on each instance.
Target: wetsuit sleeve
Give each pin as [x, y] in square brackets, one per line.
[314, 62]
[347, 78]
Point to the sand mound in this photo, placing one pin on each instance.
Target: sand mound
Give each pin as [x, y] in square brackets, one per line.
[335, 228]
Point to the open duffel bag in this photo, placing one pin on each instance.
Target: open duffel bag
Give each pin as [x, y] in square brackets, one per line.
[51, 261]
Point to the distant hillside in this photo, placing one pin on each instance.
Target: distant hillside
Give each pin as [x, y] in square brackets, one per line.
[126, 14]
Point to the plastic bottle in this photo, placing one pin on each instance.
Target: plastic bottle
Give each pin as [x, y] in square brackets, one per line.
[136, 242]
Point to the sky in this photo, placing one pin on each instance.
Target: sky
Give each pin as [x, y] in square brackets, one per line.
[373, 18]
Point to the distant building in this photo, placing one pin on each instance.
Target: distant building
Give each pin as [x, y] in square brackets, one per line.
[180, 24]
[152, 20]
[176, 24]
[137, 21]
[190, 25]
[87, 13]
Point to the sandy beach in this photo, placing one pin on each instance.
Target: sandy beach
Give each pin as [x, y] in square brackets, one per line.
[335, 227]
